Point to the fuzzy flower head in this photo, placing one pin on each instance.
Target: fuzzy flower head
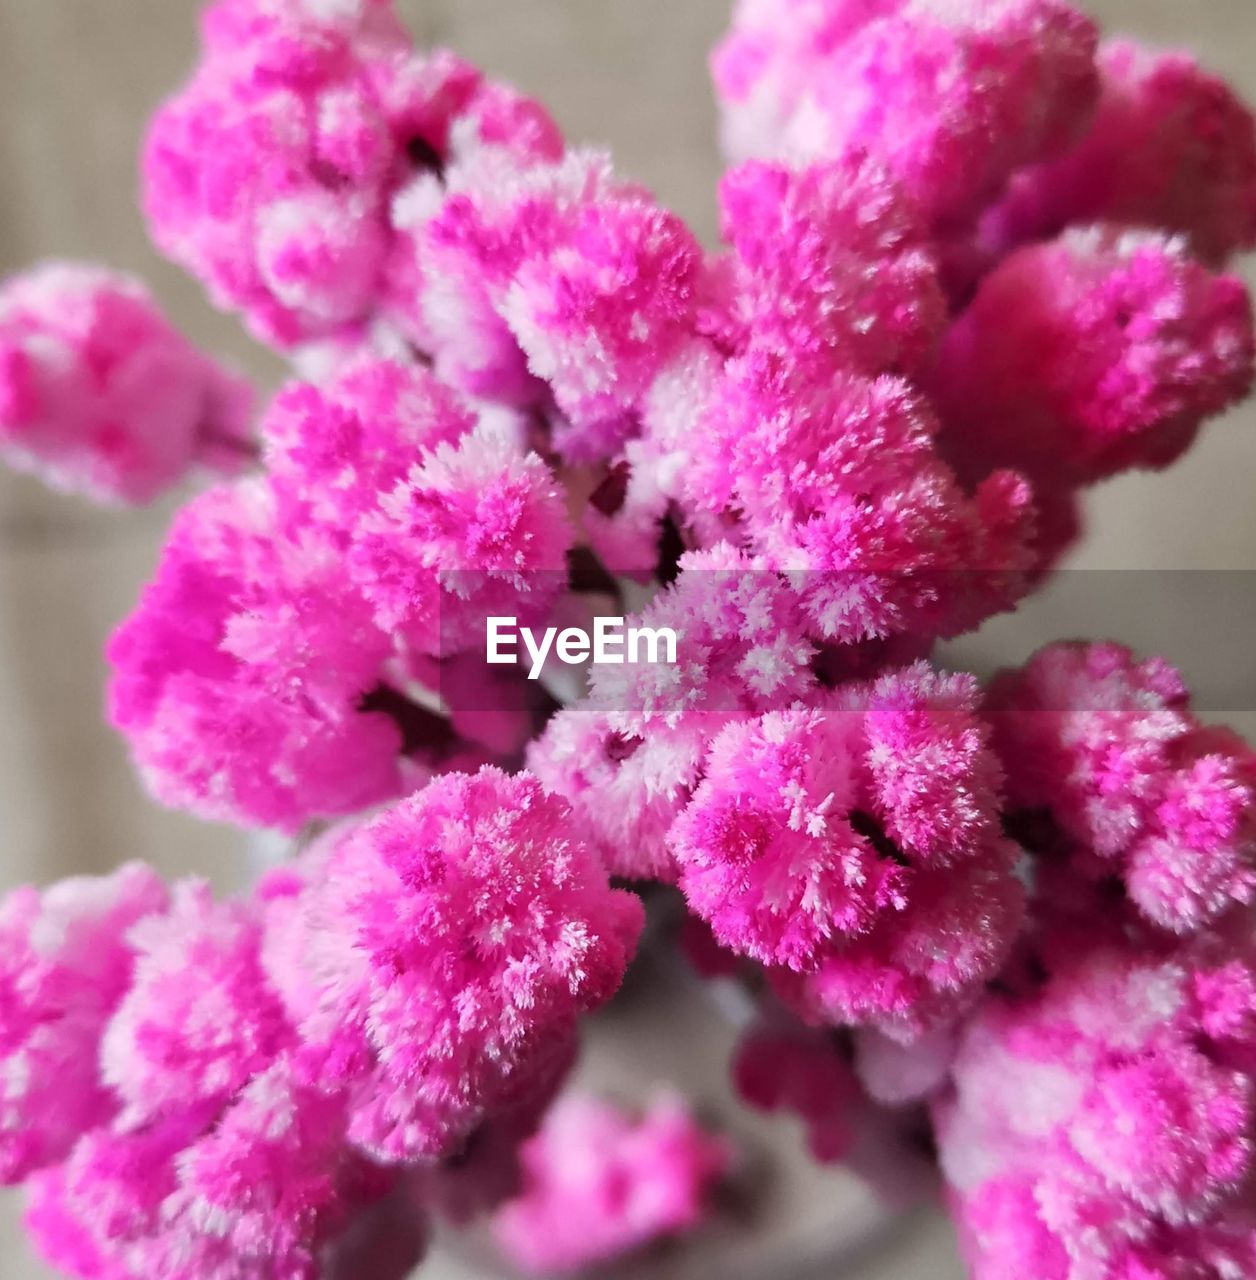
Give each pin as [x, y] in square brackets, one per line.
[952, 97]
[253, 711]
[839, 484]
[625, 790]
[100, 395]
[262, 1190]
[1101, 1121]
[455, 940]
[65, 964]
[918, 969]
[741, 648]
[1105, 749]
[1099, 352]
[474, 529]
[551, 280]
[444, 516]
[1171, 147]
[199, 1020]
[271, 174]
[830, 263]
[766, 850]
[599, 1183]
[855, 843]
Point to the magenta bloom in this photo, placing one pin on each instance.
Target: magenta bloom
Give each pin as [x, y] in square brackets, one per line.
[455, 941]
[782, 1066]
[841, 486]
[254, 713]
[1111, 771]
[551, 279]
[200, 1020]
[969, 268]
[856, 843]
[952, 97]
[1170, 147]
[1101, 1123]
[390, 526]
[625, 790]
[65, 964]
[264, 1189]
[100, 395]
[444, 518]
[1099, 352]
[270, 176]
[599, 1183]
[830, 262]
[767, 850]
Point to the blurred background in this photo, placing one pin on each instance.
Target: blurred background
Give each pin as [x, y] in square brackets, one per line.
[1169, 565]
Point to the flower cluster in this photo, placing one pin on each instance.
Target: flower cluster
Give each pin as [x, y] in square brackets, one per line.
[100, 396]
[972, 262]
[247, 1077]
[598, 1183]
[272, 175]
[1111, 776]
[390, 522]
[1101, 1118]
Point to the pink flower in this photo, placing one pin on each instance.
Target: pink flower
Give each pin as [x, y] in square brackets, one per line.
[951, 97]
[856, 843]
[783, 1066]
[741, 648]
[474, 529]
[1171, 147]
[831, 263]
[65, 965]
[100, 395]
[255, 712]
[1105, 749]
[766, 848]
[271, 175]
[263, 1189]
[840, 485]
[553, 276]
[600, 1183]
[455, 941]
[199, 1021]
[1094, 354]
[1101, 1120]
[625, 790]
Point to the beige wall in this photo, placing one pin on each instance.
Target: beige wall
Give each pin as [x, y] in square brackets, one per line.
[77, 78]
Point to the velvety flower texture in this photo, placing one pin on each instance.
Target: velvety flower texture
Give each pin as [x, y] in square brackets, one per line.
[856, 847]
[252, 1076]
[1170, 146]
[183, 1139]
[550, 283]
[100, 395]
[599, 1182]
[951, 96]
[971, 269]
[830, 261]
[65, 965]
[1097, 353]
[1109, 769]
[1101, 1119]
[463, 931]
[389, 525]
[271, 175]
